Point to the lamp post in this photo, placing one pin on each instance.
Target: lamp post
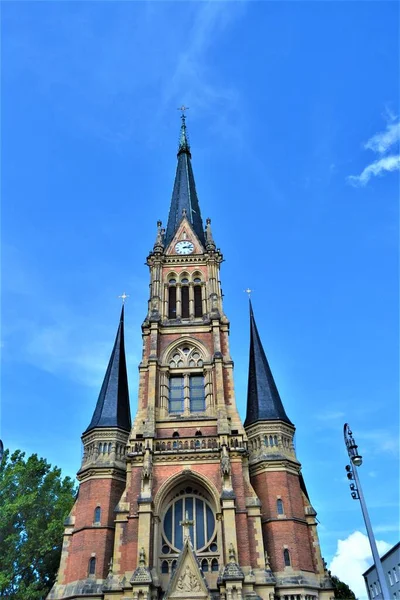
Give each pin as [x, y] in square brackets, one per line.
[357, 494]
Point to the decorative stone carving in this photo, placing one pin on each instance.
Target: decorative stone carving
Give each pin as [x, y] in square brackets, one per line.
[225, 464]
[232, 553]
[147, 465]
[188, 582]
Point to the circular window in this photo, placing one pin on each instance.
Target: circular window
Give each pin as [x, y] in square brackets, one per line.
[185, 280]
[197, 280]
[195, 509]
[172, 281]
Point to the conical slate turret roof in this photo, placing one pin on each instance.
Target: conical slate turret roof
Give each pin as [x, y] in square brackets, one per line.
[263, 400]
[184, 195]
[112, 408]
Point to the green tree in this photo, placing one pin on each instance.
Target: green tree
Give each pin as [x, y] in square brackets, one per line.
[34, 502]
[342, 590]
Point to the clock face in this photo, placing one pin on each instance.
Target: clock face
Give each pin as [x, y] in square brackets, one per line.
[184, 247]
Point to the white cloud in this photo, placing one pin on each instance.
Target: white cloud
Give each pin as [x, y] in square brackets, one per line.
[353, 557]
[381, 142]
[386, 164]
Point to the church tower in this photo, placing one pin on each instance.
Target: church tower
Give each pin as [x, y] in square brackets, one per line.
[189, 503]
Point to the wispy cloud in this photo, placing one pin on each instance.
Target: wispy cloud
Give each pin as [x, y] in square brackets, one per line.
[379, 167]
[380, 143]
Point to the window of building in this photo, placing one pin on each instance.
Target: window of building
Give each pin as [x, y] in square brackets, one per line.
[198, 306]
[203, 531]
[286, 557]
[97, 514]
[204, 565]
[395, 575]
[92, 566]
[172, 300]
[197, 393]
[176, 394]
[372, 590]
[214, 565]
[390, 578]
[279, 507]
[164, 566]
[185, 300]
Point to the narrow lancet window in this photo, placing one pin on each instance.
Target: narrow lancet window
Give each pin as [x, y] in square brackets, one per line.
[198, 308]
[172, 302]
[185, 301]
[286, 557]
[97, 514]
[279, 507]
[92, 566]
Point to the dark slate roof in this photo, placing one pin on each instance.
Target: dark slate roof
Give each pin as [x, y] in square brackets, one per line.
[184, 195]
[112, 408]
[263, 400]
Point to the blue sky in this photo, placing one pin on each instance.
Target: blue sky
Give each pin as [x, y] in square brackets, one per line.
[294, 129]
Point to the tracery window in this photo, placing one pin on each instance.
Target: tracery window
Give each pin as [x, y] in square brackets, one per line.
[186, 384]
[189, 503]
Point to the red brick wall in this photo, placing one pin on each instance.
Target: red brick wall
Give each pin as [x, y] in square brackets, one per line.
[87, 538]
[284, 531]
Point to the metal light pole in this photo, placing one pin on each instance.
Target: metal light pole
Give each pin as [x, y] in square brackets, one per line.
[357, 494]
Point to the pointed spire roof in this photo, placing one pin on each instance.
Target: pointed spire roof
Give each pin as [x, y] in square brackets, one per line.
[263, 400]
[184, 195]
[112, 408]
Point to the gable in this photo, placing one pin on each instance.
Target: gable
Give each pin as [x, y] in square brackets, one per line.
[187, 582]
[185, 231]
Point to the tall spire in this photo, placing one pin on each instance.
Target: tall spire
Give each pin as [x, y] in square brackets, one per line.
[184, 195]
[263, 400]
[112, 408]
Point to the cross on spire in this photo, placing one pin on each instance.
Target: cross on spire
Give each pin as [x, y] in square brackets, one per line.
[123, 297]
[248, 291]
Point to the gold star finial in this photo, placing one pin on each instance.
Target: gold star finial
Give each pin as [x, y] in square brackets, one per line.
[123, 297]
[248, 291]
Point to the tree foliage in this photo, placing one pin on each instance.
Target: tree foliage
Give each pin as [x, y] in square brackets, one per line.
[342, 590]
[34, 502]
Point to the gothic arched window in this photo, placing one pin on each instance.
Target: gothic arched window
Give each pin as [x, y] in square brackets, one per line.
[186, 384]
[189, 510]
[279, 507]
[172, 299]
[97, 514]
[286, 557]
[202, 532]
[92, 566]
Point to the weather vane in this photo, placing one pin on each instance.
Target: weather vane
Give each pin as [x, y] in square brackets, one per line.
[248, 291]
[123, 297]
